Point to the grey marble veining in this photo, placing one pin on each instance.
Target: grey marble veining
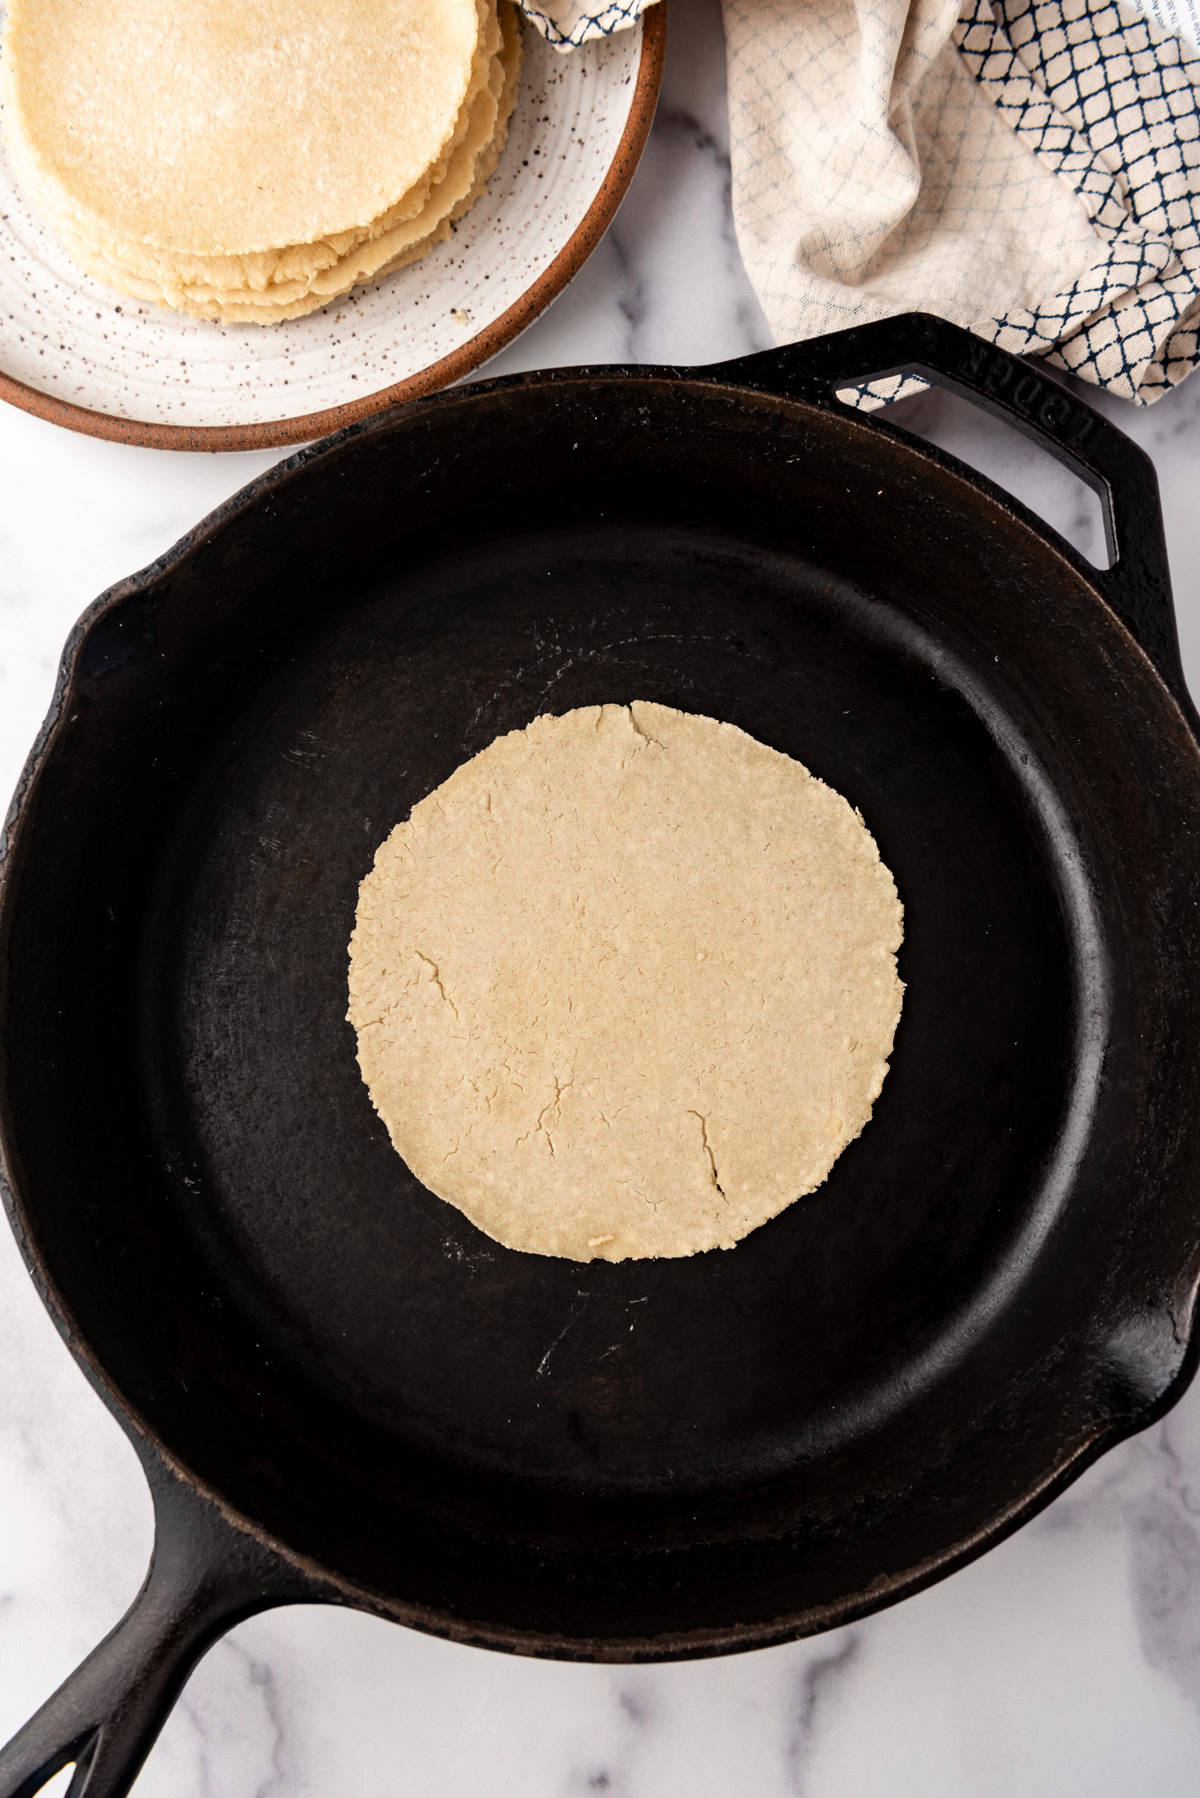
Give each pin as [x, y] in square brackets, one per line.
[1065, 1664]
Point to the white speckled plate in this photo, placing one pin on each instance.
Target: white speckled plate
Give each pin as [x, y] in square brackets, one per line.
[73, 351]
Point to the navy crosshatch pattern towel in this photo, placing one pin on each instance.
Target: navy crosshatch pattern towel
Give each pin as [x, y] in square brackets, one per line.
[567, 23]
[1028, 168]
[1111, 104]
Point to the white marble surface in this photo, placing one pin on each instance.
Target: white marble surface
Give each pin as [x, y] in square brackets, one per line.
[1065, 1664]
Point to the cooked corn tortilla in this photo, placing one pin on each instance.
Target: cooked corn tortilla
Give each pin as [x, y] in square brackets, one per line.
[182, 123]
[463, 176]
[625, 984]
[278, 275]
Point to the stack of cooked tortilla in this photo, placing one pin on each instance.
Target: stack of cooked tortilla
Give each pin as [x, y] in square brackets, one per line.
[250, 160]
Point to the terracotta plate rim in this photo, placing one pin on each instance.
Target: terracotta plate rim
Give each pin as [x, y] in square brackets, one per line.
[304, 427]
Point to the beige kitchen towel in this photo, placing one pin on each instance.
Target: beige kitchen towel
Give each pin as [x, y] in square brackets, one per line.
[1027, 168]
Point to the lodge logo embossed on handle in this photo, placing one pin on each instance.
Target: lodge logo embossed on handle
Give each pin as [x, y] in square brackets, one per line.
[996, 375]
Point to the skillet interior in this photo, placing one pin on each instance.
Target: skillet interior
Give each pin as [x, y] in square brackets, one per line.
[633, 1458]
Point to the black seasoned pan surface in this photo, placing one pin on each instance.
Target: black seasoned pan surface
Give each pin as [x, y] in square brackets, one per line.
[652, 1457]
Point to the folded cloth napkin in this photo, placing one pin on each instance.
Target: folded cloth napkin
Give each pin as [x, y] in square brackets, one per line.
[1028, 168]
[566, 23]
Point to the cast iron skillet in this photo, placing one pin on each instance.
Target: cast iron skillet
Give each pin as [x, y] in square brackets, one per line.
[339, 1389]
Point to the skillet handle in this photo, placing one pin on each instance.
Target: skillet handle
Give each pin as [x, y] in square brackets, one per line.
[205, 1576]
[1137, 586]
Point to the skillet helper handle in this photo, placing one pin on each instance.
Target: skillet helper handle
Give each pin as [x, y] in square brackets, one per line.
[1137, 586]
[205, 1576]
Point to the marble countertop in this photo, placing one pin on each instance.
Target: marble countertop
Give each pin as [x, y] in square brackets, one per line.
[1065, 1663]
